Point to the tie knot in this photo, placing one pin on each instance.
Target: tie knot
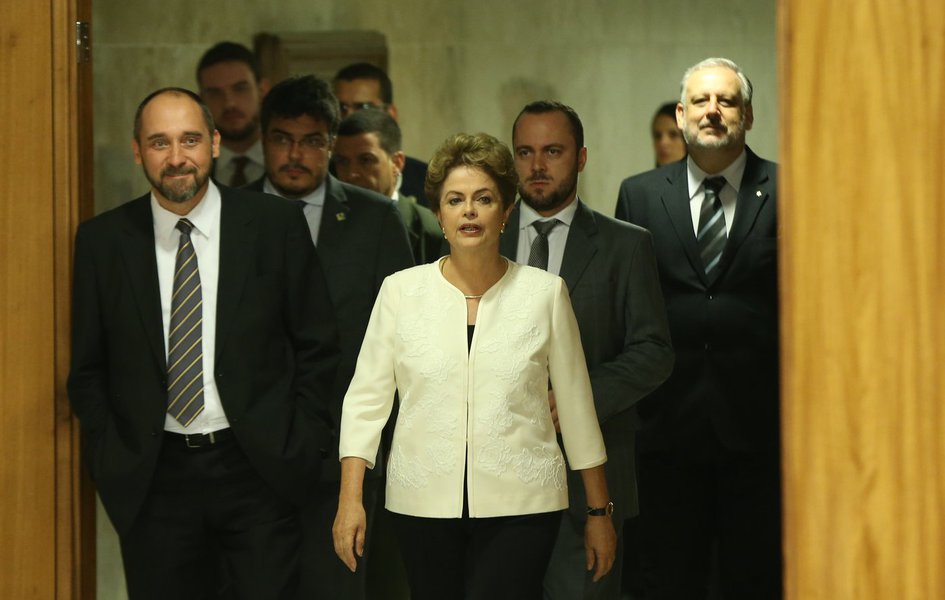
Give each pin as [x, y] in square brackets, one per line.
[544, 227]
[714, 185]
[185, 226]
[240, 162]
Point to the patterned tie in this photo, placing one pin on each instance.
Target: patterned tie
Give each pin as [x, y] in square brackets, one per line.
[538, 253]
[239, 171]
[711, 236]
[185, 353]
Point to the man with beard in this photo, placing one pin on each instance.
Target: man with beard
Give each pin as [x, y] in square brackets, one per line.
[231, 84]
[361, 240]
[203, 354]
[611, 275]
[708, 449]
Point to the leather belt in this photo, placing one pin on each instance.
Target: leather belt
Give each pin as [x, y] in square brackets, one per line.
[199, 440]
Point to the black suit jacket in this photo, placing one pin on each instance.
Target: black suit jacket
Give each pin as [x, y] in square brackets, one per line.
[423, 230]
[725, 331]
[276, 349]
[612, 280]
[413, 176]
[361, 240]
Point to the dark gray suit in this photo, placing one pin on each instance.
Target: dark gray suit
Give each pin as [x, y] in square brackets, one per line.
[612, 279]
[708, 448]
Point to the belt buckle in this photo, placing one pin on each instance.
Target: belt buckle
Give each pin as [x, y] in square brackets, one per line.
[210, 435]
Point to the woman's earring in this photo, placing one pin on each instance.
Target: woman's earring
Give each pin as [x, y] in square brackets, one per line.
[502, 230]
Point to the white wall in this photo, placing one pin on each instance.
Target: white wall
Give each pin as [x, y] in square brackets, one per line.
[456, 67]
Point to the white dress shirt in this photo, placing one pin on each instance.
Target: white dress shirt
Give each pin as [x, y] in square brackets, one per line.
[205, 236]
[728, 195]
[557, 239]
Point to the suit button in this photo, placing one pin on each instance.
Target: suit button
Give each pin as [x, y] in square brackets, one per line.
[220, 375]
[707, 347]
[153, 433]
[710, 296]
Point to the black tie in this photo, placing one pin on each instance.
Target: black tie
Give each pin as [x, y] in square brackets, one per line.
[538, 254]
[184, 340]
[239, 171]
[711, 236]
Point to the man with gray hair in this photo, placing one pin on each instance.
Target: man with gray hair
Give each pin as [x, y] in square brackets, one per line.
[708, 462]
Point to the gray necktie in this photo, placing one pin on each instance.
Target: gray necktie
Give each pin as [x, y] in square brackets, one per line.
[538, 253]
[711, 236]
[184, 341]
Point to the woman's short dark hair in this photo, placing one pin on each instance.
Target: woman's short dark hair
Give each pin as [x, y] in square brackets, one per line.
[480, 151]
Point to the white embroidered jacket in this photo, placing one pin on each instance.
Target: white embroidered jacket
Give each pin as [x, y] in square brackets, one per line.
[485, 408]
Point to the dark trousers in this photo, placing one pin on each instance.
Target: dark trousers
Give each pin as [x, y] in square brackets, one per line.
[208, 507]
[324, 576]
[725, 504]
[496, 558]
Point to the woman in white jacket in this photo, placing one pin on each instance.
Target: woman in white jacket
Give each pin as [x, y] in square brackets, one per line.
[472, 344]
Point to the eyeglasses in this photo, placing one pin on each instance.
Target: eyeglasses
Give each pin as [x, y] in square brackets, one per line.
[349, 107]
[308, 143]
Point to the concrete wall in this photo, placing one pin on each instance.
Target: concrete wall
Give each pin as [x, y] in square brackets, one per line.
[456, 67]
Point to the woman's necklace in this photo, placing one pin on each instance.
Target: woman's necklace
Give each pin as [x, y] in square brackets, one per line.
[466, 296]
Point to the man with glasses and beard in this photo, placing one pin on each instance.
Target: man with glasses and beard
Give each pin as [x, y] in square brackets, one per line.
[203, 354]
[232, 85]
[708, 456]
[611, 275]
[361, 240]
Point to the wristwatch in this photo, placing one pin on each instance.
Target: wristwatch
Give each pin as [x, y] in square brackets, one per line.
[606, 511]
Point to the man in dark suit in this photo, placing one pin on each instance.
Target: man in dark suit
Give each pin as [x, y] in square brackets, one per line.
[612, 279]
[362, 86]
[203, 353]
[361, 240]
[708, 451]
[231, 84]
[367, 154]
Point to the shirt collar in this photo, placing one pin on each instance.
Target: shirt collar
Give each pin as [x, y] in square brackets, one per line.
[205, 217]
[315, 197]
[732, 174]
[529, 215]
[254, 153]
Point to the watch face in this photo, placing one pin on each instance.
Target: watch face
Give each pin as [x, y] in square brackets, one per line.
[601, 512]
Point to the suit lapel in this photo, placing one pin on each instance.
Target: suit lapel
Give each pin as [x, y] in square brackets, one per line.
[237, 247]
[335, 215]
[752, 196]
[141, 266]
[580, 247]
[675, 197]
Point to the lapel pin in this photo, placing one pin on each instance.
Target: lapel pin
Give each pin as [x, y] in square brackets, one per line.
[758, 193]
[341, 216]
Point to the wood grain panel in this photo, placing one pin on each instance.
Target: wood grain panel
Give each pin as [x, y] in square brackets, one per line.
[27, 513]
[863, 298]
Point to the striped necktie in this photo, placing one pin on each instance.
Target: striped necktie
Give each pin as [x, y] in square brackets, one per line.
[185, 352]
[538, 253]
[711, 236]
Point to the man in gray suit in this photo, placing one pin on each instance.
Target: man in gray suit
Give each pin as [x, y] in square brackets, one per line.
[611, 275]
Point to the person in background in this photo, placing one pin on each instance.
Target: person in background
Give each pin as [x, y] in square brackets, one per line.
[361, 240]
[668, 143]
[362, 86]
[623, 321]
[368, 154]
[708, 450]
[231, 84]
[472, 344]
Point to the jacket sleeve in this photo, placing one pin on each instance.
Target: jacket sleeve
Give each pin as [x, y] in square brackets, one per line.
[370, 398]
[646, 359]
[88, 377]
[567, 368]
